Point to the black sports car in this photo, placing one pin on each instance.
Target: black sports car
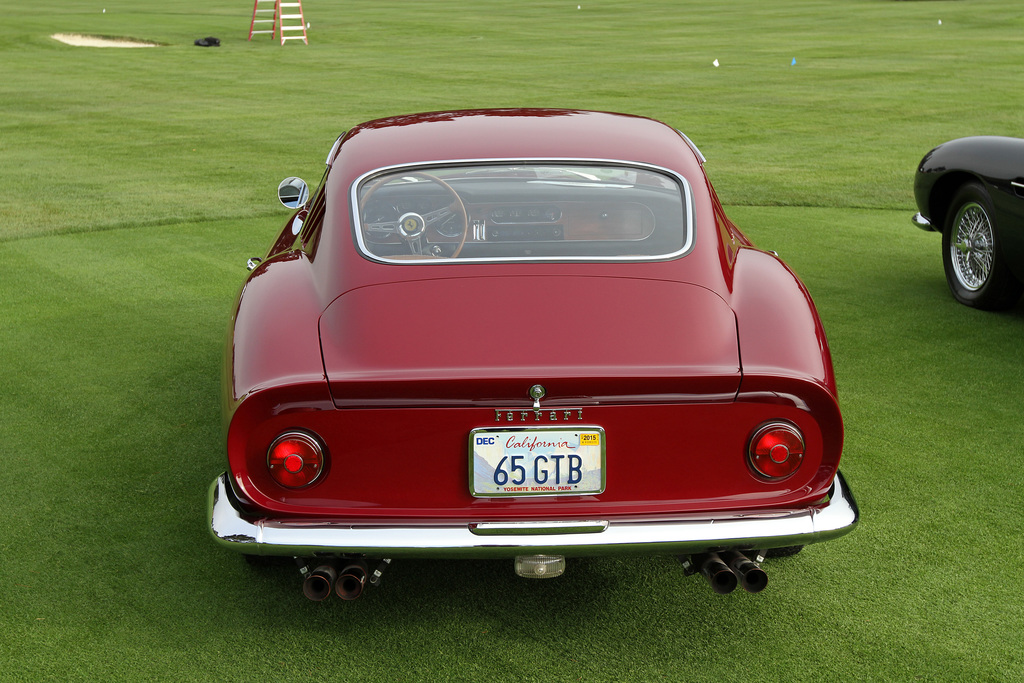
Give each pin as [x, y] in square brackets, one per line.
[972, 191]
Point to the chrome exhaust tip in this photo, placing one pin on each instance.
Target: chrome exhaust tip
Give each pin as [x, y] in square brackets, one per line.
[350, 584]
[722, 579]
[317, 586]
[752, 578]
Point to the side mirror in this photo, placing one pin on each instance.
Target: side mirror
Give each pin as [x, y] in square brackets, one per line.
[293, 192]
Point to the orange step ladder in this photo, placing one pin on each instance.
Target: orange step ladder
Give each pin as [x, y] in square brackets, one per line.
[286, 20]
[294, 14]
[259, 16]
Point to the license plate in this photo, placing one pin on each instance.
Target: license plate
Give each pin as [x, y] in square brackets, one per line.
[536, 461]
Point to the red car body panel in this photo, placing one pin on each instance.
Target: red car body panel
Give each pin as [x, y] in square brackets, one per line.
[678, 360]
[620, 344]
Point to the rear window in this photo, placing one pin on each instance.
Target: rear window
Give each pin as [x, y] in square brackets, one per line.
[550, 211]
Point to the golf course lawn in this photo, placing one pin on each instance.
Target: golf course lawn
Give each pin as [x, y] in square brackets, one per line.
[138, 181]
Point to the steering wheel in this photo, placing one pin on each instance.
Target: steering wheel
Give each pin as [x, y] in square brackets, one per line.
[411, 226]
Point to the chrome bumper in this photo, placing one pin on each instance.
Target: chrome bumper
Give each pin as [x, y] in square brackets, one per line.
[687, 534]
[922, 222]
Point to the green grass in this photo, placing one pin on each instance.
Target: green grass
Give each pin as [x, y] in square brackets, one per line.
[138, 181]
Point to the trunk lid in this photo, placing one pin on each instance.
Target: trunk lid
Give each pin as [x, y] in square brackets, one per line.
[485, 340]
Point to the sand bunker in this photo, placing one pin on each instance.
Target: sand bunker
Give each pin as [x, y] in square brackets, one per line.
[79, 40]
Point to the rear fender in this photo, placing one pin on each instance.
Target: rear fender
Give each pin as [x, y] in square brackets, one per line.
[274, 338]
[784, 354]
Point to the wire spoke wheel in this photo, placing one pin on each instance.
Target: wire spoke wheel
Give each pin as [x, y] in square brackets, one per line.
[972, 254]
[971, 247]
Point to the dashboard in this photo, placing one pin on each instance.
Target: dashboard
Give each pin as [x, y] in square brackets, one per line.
[507, 222]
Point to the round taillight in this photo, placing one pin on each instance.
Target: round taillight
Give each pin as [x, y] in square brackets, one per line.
[776, 450]
[295, 459]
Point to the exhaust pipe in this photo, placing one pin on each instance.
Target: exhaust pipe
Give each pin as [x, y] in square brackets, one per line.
[722, 579]
[752, 577]
[349, 585]
[319, 582]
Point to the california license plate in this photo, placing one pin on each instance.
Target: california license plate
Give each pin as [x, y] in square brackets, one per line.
[536, 461]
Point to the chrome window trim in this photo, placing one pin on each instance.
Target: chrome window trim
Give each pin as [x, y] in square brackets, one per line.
[334, 150]
[688, 210]
[696, 150]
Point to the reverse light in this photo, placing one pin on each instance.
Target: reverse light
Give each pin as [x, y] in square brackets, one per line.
[295, 459]
[776, 450]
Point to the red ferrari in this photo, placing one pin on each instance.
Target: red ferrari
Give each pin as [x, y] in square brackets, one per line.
[526, 334]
